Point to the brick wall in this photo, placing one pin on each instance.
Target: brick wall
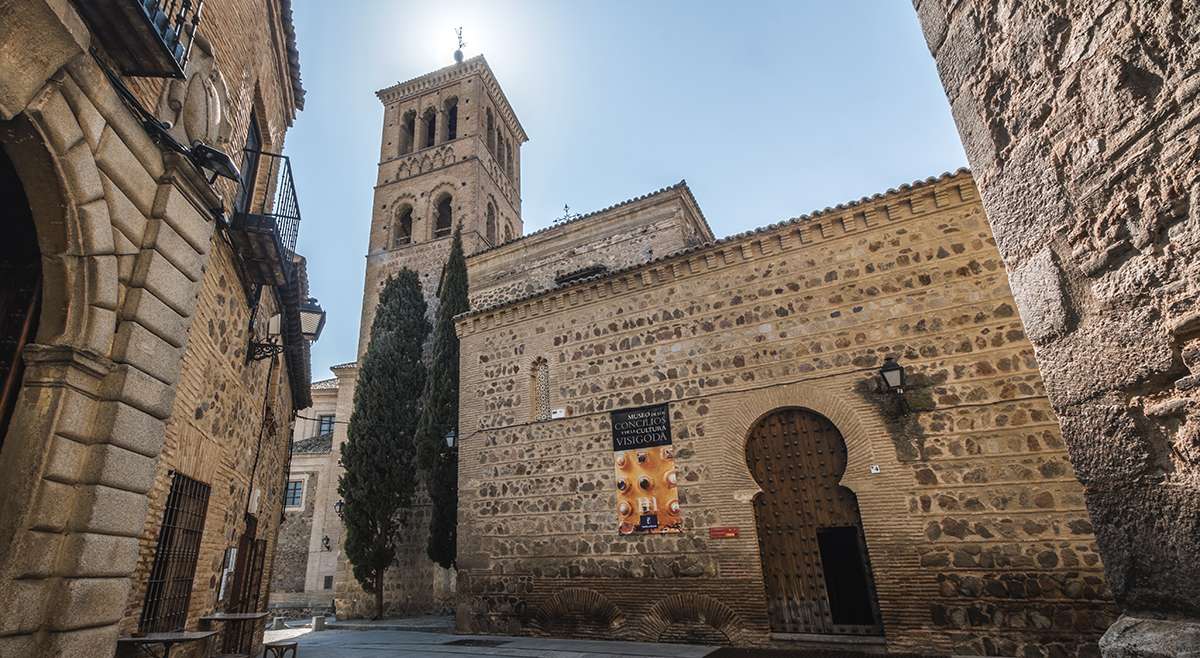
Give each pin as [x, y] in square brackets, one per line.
[975, 524]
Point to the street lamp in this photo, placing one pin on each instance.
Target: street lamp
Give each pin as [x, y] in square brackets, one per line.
[892, 374]
[451, 438]
[312, 319]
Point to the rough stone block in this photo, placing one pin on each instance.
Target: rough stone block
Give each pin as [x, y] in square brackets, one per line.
[168, 283]
[125, 216]
[1037, 288]
[139, 347]
[120, 165]
[180, 252]
[149, 311]
[191, 223]
[140, 390]
[90, 122]
[132, 428]
[22, 602]
[59, 123]
[83, 178]
[119, 468]
[109, 511]
[89, 555]
[52, 506]
[1140, 637]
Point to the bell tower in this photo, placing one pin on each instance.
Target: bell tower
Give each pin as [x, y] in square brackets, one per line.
[450, 156]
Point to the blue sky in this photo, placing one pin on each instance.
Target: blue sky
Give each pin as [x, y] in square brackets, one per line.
[769, 110]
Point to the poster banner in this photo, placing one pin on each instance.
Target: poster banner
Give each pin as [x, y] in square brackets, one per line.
[647, 493]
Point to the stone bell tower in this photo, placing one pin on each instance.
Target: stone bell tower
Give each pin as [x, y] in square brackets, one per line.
[450, 156]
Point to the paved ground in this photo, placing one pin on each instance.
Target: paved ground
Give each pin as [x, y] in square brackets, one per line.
[406, 644]
[434, 636]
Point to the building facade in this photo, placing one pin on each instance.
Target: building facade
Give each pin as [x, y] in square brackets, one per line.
[1079, 120]
[311, 535]
[786, 497]
[669, 437]
[153, 352]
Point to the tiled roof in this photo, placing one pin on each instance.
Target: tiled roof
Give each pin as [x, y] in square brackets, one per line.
[293, 55]
[325, 384]
[727, 239]
[313, 445]
[348, 364]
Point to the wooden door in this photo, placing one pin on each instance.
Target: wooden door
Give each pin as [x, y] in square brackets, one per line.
[247, 586]
[815, 568]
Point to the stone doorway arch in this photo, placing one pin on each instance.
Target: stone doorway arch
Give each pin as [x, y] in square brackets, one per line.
[816, 570]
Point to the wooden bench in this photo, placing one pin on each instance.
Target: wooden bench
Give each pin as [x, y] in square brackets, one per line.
[280, 648]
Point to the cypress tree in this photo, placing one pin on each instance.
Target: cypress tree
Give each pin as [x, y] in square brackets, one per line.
[379, 456]
[439, 413]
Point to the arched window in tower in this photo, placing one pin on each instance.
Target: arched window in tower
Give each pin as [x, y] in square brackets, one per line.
[443, 217]
[402, 234]
[451, 119]
[508, 232]
[490, 227]
[500, 148]
[491, 131]
[408, 132]
[428, 127]
[539, 390]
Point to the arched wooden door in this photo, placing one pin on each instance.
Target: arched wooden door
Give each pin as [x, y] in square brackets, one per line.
[814, 559]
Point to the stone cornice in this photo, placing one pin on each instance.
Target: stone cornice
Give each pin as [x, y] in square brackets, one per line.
[476, 65]
[909, 200]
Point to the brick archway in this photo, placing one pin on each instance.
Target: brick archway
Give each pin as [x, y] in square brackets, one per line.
[856, 422]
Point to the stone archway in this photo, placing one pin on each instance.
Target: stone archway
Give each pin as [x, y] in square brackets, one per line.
[816, 571]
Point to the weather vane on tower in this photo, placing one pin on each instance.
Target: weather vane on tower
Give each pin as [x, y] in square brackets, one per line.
[458, 54]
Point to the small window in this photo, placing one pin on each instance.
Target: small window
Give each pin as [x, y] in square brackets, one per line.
[325, 424]
[491, 131]
[490, 228]
[403, 229]
[508, 232]
[328, 582]
[451, 119]
[539, 390]
[293, 496]
[429, 122]
[444, 217]
[408, 132]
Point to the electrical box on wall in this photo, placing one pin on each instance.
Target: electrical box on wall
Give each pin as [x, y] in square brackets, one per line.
[558, 413]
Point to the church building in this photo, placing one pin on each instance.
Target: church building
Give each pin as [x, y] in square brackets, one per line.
[829, 431]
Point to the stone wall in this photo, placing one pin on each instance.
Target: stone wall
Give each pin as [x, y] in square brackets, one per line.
[295, 534]
[975, 523]
[624, 235]
[1079, 119]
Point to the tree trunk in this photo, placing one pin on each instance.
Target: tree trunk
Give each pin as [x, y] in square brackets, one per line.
[379, 595]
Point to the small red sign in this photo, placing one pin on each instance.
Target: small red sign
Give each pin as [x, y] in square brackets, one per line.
[722, 533]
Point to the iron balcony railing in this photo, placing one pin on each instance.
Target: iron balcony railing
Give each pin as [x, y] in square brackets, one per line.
[266, 220]
[151, 38]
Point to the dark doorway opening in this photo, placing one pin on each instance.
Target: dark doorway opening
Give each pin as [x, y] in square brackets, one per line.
[20, 285]
[843, 558]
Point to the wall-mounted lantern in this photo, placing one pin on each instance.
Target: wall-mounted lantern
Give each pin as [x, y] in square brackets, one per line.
[325, 543]
[338, 507]
[312, 321]
[894, 380]
[451, 438]
[892, 374]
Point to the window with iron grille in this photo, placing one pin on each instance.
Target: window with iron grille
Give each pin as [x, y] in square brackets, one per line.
[325, 424]
[328, 582]
[294, 495]
[170, 584]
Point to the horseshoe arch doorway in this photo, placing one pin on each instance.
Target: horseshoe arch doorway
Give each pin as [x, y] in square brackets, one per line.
[816, 571]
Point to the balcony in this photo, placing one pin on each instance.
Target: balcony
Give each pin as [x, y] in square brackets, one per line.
[150, 38]
[264, 228]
